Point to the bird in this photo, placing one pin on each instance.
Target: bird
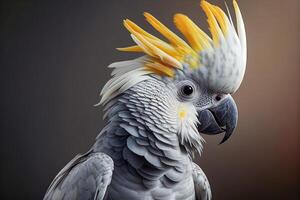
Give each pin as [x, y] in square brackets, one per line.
[156, 107]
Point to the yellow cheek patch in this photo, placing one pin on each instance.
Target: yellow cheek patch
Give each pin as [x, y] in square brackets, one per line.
[182, 113]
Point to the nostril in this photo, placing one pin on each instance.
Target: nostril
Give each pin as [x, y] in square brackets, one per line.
[218, 98]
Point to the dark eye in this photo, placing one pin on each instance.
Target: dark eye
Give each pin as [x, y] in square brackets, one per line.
[218, 98]
[187, 90]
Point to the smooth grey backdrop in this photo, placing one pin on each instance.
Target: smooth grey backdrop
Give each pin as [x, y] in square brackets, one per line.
[53, 64]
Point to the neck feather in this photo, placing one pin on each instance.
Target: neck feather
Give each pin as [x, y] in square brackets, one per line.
[152, 151]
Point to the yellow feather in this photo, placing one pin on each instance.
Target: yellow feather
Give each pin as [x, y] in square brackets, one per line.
[164, 46]
[221, 17]
[172, 37]
[134, 48]
[213, 24]
[133, 28]
[136, 28]
[158, 67]
[164, 56]
[196, 37]
[142, 44]
[188, 29]
[156, 52]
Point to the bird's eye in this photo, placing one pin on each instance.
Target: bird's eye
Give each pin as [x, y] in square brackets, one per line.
[218, 97]
[187, 90]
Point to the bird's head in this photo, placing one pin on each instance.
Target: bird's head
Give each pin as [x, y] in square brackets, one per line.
[182, 86]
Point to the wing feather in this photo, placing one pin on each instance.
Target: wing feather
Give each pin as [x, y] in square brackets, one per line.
[86, 177]
[202, 187]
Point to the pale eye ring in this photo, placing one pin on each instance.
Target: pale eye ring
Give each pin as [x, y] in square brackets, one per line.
[186, 90]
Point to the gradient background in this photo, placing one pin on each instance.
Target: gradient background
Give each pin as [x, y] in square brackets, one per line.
[53, 64]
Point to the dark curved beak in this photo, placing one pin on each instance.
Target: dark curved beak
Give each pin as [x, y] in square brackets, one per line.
[219, 119]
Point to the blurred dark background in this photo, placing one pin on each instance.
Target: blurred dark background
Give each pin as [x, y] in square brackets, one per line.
[53, 65]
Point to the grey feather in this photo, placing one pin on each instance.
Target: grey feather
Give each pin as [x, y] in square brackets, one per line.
[202, 187]
[86, 177]
[137, 155]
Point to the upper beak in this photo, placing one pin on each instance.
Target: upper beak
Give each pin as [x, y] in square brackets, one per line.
[222, 118]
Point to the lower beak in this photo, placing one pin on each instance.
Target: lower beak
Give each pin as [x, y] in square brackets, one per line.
[219, 119]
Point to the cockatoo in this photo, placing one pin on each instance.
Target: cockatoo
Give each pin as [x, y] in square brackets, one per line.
[156, 106]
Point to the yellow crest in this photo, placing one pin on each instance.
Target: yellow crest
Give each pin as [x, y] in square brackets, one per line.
[167, 56]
